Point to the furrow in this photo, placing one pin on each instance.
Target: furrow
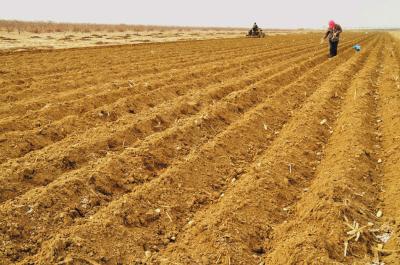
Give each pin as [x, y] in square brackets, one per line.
[145, 84]
[38, 171]
[98, 95]
[342, 196]
[18, 143]
[238, 224]
[389, 151]
[122, 56]
[136, 53]
[130, 71]
[213, 163]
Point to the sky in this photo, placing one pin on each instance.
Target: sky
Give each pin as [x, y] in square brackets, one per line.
[230, 13]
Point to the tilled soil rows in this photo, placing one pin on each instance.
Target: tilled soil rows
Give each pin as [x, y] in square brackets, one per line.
[234, 151]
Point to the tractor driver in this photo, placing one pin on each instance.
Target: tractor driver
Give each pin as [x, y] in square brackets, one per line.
[255, 27]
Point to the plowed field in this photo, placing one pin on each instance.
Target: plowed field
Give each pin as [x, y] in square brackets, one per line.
[235, 151]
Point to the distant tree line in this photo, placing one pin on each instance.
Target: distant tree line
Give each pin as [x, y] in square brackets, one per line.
[49, 26]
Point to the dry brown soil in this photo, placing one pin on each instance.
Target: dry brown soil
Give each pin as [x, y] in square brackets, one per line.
[233, 151]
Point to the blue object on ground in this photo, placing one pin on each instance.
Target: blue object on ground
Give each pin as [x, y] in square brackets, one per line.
[357, 47]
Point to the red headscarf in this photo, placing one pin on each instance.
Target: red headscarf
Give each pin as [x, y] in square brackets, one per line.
[332, 24]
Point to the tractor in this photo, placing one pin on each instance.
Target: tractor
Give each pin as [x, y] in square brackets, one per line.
[255, 33]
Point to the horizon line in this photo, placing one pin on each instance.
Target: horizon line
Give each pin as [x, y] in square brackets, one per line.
[192, 26]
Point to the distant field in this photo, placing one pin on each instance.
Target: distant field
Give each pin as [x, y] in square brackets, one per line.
[55, 40]
[395, 34]
[50, 27]
[18, 35]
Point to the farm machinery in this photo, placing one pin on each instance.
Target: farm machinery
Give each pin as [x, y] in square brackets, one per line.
[255, 33]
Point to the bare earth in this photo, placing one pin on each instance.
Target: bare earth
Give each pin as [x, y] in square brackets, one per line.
[26, 40]
[229, 151]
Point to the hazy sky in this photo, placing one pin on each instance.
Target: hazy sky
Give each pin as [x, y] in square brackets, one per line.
[268, 13]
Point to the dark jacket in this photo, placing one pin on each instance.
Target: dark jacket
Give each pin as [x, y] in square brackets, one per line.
[333, 34]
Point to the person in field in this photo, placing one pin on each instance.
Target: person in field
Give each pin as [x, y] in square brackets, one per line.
[333, 34]
[255, 27]
[254, 30]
